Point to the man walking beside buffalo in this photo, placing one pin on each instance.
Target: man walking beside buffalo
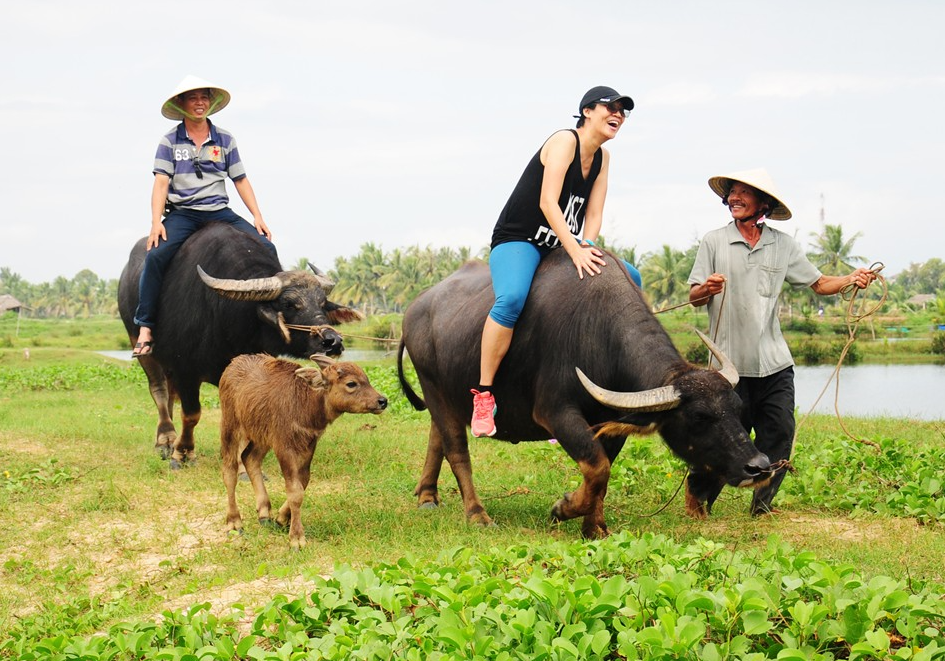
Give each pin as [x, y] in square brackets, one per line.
[191, 166]
[747, 262]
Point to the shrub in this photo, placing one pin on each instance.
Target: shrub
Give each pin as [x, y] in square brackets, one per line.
[854, 355]
[938, 343]
[383, 326]
[697, 354]
[811, 352]
[804, 325]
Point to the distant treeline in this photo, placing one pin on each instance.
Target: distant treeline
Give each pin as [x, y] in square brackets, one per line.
[380, 282]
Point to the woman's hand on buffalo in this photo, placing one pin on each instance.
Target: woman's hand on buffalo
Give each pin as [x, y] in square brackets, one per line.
[587, 258]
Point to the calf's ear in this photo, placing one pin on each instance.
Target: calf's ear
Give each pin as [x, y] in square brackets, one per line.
[312, 376]
[327, 366]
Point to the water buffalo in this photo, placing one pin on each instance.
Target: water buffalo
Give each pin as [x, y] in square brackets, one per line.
[271, 404]
[600, 327]
[247, 304]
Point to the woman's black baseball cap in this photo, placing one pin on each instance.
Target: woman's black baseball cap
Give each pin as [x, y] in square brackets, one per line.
[603, 94]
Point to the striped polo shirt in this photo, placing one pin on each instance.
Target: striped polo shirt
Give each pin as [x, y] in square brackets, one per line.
[216, 160]
[749, 332]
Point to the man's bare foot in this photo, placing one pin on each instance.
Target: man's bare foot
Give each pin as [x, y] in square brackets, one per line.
[145, 343]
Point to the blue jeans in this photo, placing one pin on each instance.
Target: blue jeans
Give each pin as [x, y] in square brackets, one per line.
[513, 267]
[179, 225]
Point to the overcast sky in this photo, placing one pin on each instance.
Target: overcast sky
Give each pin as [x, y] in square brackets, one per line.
[406, 123]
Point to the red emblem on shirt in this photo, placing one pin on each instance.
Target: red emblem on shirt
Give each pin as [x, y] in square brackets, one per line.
[215, 153]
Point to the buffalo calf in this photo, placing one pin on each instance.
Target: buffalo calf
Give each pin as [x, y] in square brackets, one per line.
[268, 403]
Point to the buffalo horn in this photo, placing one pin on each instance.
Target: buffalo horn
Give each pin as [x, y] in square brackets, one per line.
[656, 399]
[255, 289]
[323, 280]
[728, 367]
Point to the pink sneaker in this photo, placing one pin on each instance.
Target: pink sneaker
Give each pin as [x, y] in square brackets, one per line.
[484, 410]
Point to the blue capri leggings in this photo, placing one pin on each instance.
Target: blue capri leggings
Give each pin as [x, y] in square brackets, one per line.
[513, 267]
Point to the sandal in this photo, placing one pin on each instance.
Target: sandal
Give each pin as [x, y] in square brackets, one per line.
[142, 349]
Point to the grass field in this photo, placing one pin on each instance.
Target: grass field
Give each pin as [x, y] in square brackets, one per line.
[97, 530]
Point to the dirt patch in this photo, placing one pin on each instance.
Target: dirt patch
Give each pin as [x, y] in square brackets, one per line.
[842, 529]
[24, 446]
[139, 550]
[249, 596]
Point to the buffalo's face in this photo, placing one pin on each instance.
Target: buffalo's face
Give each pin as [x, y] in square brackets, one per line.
[295, 304]
[698, 417]
[308, 317]
[706, 432]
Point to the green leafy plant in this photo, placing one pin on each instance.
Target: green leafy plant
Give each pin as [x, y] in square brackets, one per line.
[645, 597]
[49, 474]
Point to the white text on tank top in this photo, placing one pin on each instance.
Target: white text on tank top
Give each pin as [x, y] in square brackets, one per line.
[545, 236]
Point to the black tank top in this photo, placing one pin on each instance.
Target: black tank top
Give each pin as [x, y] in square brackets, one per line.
[521, 218]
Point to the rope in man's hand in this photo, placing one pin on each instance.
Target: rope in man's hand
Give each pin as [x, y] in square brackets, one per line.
[853, 318]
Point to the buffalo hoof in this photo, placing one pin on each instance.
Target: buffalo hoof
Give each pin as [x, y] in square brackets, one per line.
[177, 464]
[557, 510]
[595, 531]
[698, 513]
[482, 520]
[696, 508]
[429, 505]
[163, 450]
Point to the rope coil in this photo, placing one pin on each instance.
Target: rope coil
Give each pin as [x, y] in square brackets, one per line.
[853, 319]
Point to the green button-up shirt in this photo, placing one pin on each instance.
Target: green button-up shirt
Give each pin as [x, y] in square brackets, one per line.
[749, 331]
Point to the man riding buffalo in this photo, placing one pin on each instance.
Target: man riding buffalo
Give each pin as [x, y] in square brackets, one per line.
[212, 279]
[192, 164]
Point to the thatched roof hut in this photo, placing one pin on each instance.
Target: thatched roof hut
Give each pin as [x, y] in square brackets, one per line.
[7, 302]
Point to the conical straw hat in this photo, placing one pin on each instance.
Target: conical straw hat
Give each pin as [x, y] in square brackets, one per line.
[171, 110]
[757, 178]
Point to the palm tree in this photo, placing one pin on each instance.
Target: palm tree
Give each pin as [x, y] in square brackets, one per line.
[357, 279]
[84, 290]
[301, 265]
[665, 274]
[60, 298]
[13, 284]
[832, 254]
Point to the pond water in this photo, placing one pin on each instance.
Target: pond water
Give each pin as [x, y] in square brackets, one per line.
[354, 355]
[895, 391]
